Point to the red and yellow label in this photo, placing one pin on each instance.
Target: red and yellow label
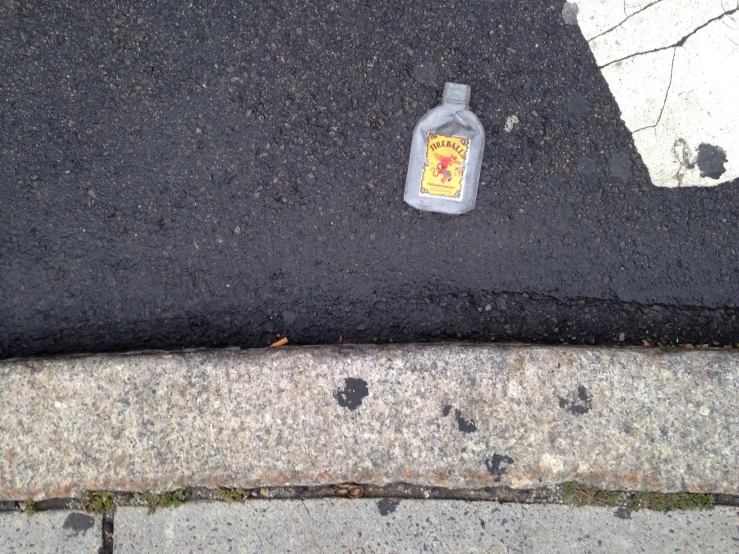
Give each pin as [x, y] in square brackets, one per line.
[442, 174]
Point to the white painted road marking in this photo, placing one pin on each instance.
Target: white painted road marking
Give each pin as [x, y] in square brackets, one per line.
[673, 67]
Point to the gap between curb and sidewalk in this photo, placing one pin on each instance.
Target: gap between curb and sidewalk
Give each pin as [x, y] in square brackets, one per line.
[449, 415]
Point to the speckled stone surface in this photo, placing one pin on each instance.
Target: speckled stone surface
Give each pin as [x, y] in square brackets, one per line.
[419, 526]
[444, 415]
[58, 532]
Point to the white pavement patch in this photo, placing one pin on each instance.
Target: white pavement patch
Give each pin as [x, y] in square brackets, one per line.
[386, 525]
[55, 532]
[673, 67]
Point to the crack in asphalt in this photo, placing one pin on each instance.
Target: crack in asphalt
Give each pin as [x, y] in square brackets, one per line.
[680, 42]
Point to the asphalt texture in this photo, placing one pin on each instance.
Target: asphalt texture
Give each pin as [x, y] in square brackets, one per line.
[188, 173]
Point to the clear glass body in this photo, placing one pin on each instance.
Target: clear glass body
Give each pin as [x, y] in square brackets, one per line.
[452, 119]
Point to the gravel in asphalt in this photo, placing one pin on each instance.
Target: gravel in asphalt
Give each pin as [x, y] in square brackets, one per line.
[194, 174]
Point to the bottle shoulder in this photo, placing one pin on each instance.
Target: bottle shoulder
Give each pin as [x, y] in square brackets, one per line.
[443, 118]
[473, 116]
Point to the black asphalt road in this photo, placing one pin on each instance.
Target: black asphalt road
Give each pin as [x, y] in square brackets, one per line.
[189, 173]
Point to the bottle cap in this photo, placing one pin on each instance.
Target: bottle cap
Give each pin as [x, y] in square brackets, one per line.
[457, 93]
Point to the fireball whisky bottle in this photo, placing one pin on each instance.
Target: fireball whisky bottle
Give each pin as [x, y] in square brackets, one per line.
[446, 156]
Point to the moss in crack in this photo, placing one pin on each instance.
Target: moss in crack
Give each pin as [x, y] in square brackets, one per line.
[29, 507]
[661, 502]
[99, 502]
[232, 495]
[576, 494]
[579, 495]
[171, 499]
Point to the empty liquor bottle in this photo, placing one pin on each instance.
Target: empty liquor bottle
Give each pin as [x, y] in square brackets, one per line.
[446, 156]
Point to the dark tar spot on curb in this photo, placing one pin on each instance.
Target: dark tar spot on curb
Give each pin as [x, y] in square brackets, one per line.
[622, 513]
[446, 409]
[711, 160]
[498, 465]
[354, 392]
[465, 425]
[77, 522]
[387, 506]
[580, 405]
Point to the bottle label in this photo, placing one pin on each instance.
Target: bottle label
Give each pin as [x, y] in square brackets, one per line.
[445, 165]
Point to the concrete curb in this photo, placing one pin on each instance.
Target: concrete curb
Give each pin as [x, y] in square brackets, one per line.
[464, 416]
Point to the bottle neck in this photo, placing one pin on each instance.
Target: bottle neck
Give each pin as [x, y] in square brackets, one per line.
[456, 95]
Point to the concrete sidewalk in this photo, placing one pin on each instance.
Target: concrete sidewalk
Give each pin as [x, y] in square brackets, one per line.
[58, 532]
[454, 416]
[419, 526]
[365, 526]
